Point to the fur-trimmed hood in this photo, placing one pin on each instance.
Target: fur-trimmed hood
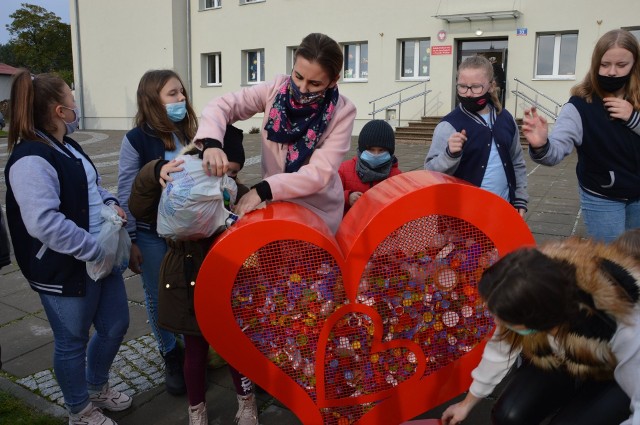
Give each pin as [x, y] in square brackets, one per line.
[609, 283]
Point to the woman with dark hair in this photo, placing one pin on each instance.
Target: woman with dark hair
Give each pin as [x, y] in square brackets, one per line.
[306, 132]
[571, 309]
[602, 121]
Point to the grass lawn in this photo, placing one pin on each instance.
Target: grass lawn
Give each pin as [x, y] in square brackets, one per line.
[3, 133]
[14, 411]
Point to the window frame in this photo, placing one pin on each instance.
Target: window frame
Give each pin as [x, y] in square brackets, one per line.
[416, 59]
[243, 2]
[557, 48]
[291, 57]
[217, 4]
[206, 67]
[635, 30]
[260, 71]
[357, 62]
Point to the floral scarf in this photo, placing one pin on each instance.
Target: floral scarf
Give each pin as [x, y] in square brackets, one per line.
[299, 126]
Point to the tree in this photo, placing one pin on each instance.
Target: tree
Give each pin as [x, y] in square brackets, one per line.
[40, 41]
[6, 54]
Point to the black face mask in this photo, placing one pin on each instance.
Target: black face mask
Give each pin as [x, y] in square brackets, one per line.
[612, 84]
[475, 104]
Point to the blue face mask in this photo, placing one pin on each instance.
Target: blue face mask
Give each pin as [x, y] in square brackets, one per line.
[176, 111]
[305, 98]
[73, 125]
[523, 332]
[375, 160]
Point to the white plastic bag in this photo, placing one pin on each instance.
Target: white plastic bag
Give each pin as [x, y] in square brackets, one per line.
[115, 243]
[192, 205]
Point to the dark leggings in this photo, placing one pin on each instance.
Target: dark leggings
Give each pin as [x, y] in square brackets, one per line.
[196, 349]
[532, 395]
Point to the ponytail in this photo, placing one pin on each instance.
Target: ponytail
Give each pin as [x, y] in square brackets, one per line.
[21, 109]
[30, 105]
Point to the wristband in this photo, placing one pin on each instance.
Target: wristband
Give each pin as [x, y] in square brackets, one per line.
[264, 190]
[211, 143]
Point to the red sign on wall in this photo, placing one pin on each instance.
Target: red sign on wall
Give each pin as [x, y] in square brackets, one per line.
[441, 50]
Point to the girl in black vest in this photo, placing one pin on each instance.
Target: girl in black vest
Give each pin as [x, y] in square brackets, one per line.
[479, 140]
[54, 203]
[571, 309]
[602, 120]
[165, 123]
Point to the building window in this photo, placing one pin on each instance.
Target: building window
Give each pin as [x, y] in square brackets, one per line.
[415, 57]
[633, 30]
[556, 55]
[212, 69]
[211, 4]
[291, 57]
[356, 62]
[253, 66]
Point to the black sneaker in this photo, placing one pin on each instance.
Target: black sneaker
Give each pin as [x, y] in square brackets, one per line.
[173, 374]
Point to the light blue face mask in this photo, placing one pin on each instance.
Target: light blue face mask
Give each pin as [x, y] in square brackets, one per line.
[176, 111]
[375, 160]
[73, 125]
[523, 332]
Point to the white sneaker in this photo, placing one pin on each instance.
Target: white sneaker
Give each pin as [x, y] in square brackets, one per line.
[110, 399]
[198, 414]
[247, 410]
[90, 415]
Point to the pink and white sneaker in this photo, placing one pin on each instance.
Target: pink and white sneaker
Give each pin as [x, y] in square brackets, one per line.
[110, 399]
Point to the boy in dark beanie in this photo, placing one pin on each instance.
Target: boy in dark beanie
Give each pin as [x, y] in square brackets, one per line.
[373, 162]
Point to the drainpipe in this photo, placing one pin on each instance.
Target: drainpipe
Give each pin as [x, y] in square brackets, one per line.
[78, 77]
[189, 79]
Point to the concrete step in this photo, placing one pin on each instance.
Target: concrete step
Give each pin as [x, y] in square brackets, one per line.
[431, 119]
[409, 135]
[416, 141]
[422, 124]
[413, 130]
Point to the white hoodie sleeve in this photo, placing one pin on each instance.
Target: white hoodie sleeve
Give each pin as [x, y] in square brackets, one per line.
[497, 359]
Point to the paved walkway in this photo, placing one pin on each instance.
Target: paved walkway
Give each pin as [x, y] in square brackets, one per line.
[26, 338]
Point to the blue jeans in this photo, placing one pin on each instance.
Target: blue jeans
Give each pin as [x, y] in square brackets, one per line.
[606, 219]
[153, 248]
[79, 362]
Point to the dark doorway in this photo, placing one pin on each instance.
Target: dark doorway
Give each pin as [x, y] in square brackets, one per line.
[490, 48]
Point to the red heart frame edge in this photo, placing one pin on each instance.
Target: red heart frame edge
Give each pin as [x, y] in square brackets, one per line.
[278, 221]
[380, 211]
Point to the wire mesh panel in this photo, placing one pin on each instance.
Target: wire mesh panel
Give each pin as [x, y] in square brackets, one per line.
[420, 282]
[280, 299]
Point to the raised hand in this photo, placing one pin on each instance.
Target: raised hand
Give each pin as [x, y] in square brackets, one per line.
[535, 128]
[456, 141]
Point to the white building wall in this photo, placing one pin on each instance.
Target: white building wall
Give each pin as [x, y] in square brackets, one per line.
[115, 42]
[120, 39]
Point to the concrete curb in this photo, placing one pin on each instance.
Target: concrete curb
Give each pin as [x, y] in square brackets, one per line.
[35, 401]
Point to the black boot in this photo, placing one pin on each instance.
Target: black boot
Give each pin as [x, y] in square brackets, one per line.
[173, 374]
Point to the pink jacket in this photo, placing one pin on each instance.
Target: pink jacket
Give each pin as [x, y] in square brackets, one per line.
[316, 185]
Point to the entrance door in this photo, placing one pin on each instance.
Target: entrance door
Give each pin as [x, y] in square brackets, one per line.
[495, 48]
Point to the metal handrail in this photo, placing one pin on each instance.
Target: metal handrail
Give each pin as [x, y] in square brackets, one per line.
[534, 100]
[400, 101]
[397, 91]
[424, 93]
